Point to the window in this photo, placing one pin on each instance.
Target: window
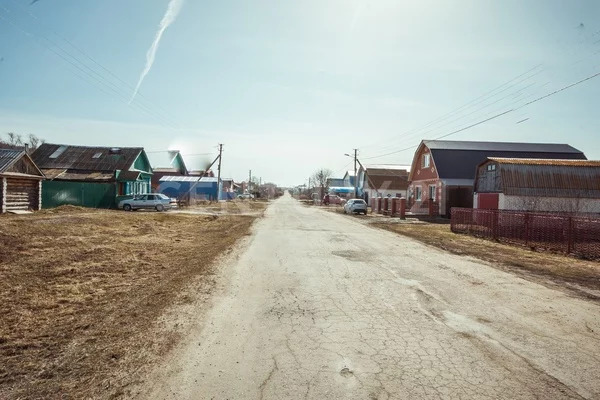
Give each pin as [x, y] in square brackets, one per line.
[426, 160]
[58, 152]
[151, 197]
[432, 192]
[418, 193]
[491, 167]
[97, 155]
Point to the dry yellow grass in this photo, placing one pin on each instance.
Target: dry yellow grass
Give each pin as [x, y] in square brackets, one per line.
[82, 290]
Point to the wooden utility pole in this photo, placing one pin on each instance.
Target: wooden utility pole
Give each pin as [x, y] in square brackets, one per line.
[249, 180]
[219, 189]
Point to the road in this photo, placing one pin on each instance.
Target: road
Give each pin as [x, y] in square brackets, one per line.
[320, 306]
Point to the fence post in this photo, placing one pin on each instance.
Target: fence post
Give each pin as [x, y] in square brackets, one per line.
[431, 208]
[402, 208]
[495, 224]
[526, 229]
[394, 206]
[570, 236]
[379, 201]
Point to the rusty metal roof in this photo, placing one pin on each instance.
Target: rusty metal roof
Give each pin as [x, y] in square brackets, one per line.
[85, 158]
[539, 161]
[549, 178]
[68, 175]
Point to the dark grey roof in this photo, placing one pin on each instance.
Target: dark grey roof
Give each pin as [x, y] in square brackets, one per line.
[8, 157]
[459, 160]
[500, 146]
[106, 159]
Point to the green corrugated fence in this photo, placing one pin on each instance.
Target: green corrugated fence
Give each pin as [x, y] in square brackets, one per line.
[85, 194]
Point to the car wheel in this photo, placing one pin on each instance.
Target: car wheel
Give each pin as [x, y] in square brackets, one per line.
[127, 207]
[159, 207]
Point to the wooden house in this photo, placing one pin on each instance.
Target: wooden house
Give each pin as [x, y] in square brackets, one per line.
[91, 176]
[20, 182]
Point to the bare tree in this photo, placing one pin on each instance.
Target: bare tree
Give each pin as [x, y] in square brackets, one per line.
[320, 178]
[16, 141]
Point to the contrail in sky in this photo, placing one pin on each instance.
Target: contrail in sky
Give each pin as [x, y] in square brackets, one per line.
[168, 19]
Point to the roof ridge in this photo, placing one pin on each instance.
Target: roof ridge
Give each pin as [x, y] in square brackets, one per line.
[92, 147]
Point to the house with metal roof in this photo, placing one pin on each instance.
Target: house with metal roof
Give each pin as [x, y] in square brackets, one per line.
[443, 171]
[166, 163]
[383, 180]
[20, 182]
[91, 176]
[188, 189]
[571, 186]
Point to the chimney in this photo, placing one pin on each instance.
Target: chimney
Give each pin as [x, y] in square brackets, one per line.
[26, 148]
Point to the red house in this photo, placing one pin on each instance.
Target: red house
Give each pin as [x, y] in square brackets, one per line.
[443, 171]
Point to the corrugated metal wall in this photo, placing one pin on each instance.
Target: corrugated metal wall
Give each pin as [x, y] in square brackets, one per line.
[94, 195]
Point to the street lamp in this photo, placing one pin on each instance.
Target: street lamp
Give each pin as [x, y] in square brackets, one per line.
[355, 177]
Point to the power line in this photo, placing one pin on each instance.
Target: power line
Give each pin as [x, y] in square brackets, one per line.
[86, 70]
[497, 115]
[131, 87]
[491, 94]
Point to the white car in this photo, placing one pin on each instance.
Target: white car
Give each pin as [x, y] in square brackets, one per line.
[245, 196]
[150, 201]
[355, 206]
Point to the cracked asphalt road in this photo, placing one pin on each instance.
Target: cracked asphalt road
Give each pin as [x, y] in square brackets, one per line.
[319, 306]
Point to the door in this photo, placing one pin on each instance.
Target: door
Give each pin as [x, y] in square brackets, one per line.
[488, 201]
[459, 197]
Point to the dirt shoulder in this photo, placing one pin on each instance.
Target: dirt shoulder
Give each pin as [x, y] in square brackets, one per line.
[83, 294]
[567, 273]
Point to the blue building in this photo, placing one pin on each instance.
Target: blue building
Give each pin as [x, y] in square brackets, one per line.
[189, 188]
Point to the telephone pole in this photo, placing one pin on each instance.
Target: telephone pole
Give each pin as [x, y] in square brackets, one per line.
[355, 177]
[219, 172]
[249, 180]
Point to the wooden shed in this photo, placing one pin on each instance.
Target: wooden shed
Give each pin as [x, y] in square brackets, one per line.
[20, 182]
[521, 184]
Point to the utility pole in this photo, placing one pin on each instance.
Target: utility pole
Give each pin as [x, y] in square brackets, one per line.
[219, 172]
[355, 177]
[249, 181]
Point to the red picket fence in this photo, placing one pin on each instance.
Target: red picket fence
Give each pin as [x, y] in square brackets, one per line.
[568, 233]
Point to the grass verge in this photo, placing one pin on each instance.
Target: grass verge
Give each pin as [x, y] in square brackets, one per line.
[82, 293]
[576, 275]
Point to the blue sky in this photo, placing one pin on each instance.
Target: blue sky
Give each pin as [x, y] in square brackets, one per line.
[289, 87]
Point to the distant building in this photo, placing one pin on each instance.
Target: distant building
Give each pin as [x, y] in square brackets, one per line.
[385, 180]
[20, 182]
[335, 182]
[166, 163]
[188, 189]
[91, 176]
[348, 179]
[443, 171]
[571, 186]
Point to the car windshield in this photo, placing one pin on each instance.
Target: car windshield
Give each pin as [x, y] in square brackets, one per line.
[162, 196]
[359, 201]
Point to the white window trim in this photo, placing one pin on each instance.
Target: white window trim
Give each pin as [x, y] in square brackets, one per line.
[426, 160]
[434, 192]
